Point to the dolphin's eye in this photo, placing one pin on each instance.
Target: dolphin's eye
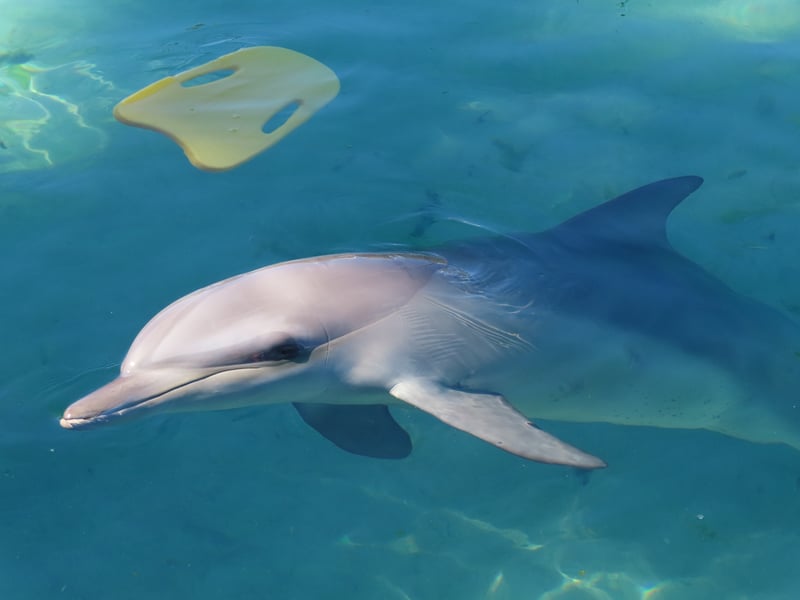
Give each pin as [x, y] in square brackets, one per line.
[283, 351]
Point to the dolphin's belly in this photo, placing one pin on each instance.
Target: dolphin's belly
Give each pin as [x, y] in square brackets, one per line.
[585, 371]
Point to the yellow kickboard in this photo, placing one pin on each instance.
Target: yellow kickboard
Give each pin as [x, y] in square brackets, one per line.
[220, 124]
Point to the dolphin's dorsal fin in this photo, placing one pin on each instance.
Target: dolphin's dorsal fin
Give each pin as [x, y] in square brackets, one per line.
[492, 419]
[636, 217]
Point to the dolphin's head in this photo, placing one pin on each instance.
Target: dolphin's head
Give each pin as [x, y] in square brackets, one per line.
[261, 337]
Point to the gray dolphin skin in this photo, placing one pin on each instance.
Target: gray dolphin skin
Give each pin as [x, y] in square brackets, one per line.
[595, 320]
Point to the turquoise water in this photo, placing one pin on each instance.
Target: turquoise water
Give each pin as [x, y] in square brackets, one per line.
[516, 114]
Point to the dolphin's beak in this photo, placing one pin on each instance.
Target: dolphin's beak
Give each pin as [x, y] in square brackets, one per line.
[125, 395]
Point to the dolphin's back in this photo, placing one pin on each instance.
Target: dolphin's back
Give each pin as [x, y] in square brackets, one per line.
[612, 269]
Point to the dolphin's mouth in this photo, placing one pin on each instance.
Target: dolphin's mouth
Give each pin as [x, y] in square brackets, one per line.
[82, 423]
[121, 397]
[133, 394]
[70, 421]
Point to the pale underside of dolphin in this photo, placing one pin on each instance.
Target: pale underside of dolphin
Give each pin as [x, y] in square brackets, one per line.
[596, 320]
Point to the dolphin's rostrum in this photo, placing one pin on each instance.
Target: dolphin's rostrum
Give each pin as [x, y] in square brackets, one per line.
[597, 319]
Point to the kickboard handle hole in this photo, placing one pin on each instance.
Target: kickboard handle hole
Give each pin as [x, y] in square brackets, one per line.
[277, 120]
[207, 78]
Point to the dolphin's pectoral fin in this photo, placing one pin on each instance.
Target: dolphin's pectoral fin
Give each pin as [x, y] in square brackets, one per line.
[368, 430]
[490, 418]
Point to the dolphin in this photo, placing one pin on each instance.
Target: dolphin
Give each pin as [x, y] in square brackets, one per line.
[598, 319]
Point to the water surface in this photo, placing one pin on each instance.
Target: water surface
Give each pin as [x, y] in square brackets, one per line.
[512, 115]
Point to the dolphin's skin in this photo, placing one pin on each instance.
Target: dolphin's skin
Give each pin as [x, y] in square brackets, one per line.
[597, 319]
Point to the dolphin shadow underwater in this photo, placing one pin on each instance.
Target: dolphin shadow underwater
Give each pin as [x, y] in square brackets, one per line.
[598, 319]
